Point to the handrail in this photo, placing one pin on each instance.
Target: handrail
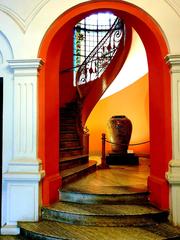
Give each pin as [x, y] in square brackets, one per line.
[131, 144]
[99, 58]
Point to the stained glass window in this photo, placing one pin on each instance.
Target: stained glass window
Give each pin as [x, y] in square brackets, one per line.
[87, 34]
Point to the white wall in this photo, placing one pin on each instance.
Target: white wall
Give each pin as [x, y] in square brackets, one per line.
[23, 25]
[29, 21]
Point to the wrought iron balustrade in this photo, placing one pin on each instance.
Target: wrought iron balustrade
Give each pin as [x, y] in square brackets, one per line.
[100, 57]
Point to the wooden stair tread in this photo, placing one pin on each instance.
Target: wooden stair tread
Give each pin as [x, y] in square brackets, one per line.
[68, 122]
[62, 131]
[69, 140]
[71, 148]
[64, 159]
[74, 170]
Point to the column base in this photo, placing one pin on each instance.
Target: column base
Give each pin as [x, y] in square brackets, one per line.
[22, 189]
[10, 230]
[173, 177]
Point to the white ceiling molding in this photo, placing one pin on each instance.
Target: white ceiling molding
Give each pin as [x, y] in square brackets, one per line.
[23, 23]
[175, 5]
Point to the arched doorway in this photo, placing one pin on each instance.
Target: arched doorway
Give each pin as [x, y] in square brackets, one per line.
[51, 51]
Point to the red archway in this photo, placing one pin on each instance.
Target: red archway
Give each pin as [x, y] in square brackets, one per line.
[51, 51]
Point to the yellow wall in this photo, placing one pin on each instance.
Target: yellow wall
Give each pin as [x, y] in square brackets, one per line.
[133, 102]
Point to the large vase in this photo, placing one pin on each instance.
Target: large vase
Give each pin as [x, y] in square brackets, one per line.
[120, 129]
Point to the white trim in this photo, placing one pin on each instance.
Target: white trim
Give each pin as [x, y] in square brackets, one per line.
[13, 176]
[173, 174]
[10, 230]
[25, 107]
[25, 165]
[174, 62]
[174, 6]
[25, 63]
[23, 23]
[21, 181]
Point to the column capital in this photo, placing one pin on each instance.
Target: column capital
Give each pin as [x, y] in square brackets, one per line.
[25, 63]
[173, 60]
[173, 174]
[25, 67]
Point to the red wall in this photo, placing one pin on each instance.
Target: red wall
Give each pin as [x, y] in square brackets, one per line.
[159, 95]
[67, 91]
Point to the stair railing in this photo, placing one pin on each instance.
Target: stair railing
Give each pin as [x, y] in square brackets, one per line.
[100, 57]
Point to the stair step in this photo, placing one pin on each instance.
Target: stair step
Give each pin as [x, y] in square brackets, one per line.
[74, 158]
[73, 161]
[68, 135]
[48, 230]
[67, 113]
[104, 195]
[62, 131]
[71, 174]
[69, 140]
[65, 120]
[69, 107]
[68, 117]
[104, 215]
[71, 151]
[68, 122]
[67, 127]
[71, 148]
[68, 144]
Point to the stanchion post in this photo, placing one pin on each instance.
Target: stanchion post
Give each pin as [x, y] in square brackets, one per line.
[103, 157]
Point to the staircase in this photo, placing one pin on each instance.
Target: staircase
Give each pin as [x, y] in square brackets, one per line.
[89, 215]
[117, 213]
[74, 160]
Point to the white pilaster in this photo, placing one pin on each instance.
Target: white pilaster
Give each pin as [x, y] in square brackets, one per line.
[22, 181]
[25, 106]
[173, 174]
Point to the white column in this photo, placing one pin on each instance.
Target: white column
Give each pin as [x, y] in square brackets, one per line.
[21, 183]
[173, 174]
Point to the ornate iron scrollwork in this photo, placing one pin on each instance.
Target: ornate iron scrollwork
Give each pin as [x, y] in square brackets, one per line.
[99, 58]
